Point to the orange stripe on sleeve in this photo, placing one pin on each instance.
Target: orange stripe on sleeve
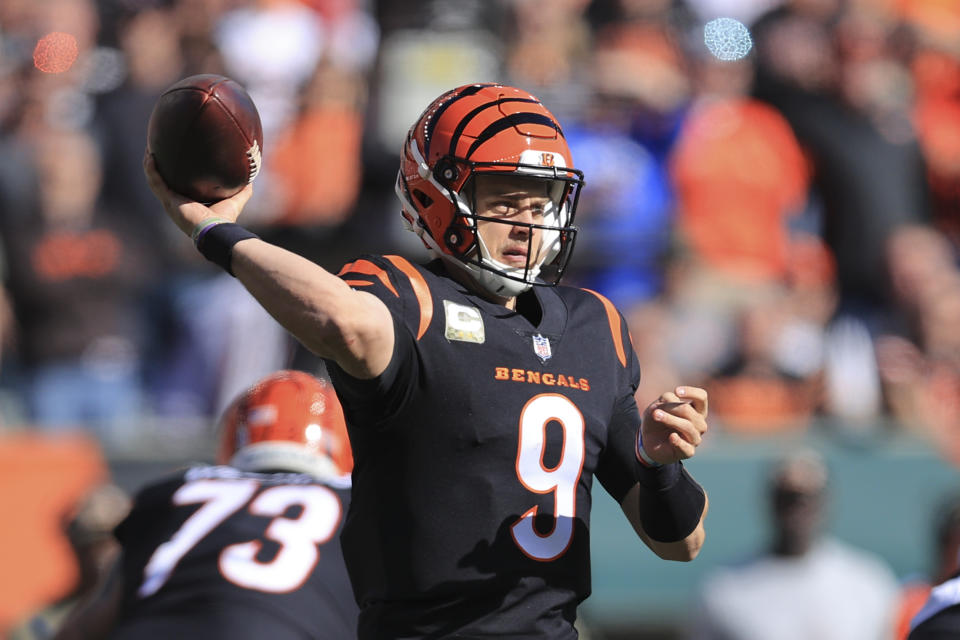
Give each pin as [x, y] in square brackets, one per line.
[420, 289]
[368, 268]
[614, 319]
[359, 283]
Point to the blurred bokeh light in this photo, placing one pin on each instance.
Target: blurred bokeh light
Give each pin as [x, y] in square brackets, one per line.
[55, 52]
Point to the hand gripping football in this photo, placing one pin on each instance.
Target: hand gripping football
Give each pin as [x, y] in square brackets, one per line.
[206, 137]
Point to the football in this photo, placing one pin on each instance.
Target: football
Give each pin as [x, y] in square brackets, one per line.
[206, 138]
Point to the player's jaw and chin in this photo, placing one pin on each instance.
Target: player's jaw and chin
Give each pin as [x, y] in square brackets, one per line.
[502, 273]
[509, 249]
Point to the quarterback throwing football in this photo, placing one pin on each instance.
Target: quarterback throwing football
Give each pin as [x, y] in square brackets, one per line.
[481, 399]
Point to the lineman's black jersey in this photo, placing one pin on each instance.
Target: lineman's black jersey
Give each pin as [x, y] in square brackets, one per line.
[214, 552]
[475, 452]
[939, 619]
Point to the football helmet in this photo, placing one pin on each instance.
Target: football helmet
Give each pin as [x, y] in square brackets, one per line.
[488, 129]
[289, 421]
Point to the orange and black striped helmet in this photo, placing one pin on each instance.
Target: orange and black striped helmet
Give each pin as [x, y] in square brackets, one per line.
[487, 128]
[288, 421]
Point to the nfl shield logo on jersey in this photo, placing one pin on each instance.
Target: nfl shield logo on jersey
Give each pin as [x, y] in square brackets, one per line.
[541, 347]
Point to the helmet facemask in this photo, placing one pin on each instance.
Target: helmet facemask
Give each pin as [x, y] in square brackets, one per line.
[549, 238]
[462, 245]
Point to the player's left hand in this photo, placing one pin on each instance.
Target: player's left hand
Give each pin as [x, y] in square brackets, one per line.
[673, 425]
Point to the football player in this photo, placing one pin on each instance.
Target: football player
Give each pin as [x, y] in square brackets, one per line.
[481, 399]
[939, 619]
[246, 549]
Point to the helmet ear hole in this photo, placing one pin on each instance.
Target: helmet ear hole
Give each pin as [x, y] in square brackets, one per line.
[446, 171]
[422, 198]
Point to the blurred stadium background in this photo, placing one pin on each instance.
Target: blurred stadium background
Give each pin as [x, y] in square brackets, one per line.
[776, 212]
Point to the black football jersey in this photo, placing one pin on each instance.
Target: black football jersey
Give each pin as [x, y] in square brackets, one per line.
[214, 552]
[475, 452]
[939, 619]
[943, 625]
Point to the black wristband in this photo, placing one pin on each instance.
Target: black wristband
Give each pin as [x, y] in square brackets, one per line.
[671, 503]
[658, 478]
[216, 242]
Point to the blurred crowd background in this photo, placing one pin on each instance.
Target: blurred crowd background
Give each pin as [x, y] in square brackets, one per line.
[782, 228]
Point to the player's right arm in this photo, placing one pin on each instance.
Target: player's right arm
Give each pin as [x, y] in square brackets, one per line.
[353, 328]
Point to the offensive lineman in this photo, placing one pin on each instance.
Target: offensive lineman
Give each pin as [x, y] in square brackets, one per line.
[247, 549]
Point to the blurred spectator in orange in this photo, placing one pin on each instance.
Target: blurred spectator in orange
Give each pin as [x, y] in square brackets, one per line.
[802, 585]
[938, 123]
[739, 174]
[316, 165]
[89, 531]
[75, 272]
[317, 160]
[944, 565]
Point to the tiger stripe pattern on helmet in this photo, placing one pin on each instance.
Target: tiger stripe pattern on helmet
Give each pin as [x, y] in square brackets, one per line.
[466, 120]
[496, 129]
[441, 104]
